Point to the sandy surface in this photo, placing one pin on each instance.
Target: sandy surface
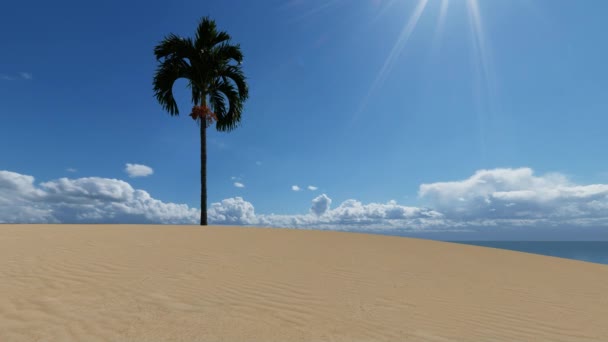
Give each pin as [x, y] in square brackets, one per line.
[187, 283]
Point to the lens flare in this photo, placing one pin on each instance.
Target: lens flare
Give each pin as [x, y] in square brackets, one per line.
[443, 11]
[318, 9]
[398, 47]
[383, 11]
[484, 86]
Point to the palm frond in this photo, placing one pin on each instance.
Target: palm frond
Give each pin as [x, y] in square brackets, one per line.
[209, 63]
[174, 46]
[208, 36]
[236, 75]
[220, 38]
[167, 73]
[197, 93]
[226, 52]
[218, 104]
[206, 31]
[227, 118]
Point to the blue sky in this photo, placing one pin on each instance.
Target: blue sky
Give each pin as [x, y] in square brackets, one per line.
[365, 101]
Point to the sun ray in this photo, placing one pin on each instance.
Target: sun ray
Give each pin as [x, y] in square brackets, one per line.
[398, 47]
[428, 82]
[318, 9]
[484, 81]
[478, 36]
[443, 11]
[382, 11]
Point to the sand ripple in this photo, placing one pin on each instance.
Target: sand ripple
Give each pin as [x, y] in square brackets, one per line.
[184, 283]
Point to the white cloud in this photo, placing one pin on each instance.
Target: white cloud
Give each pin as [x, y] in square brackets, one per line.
[69, 169]
[516, 194]
[312, 188]
[90, 199]
[232, 211]
[497, 199]
[351, 215]
[22, 75]
[18, 199]
[490, 198]
[217, 143]
[18, 184]
[385, 215]
[94, 199]
[320, 205]
[295, 188]
[138, 170]
[239, 185]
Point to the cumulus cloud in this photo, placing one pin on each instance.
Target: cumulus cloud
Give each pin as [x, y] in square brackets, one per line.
[350, 215]
[295, 188]
[232, 211]
[499, 198]
[239, 185]
[138, 170]
[17, 184]
[18, 200]
[496, 199]
[312, 188]
[84, 200]
[320, 205]
[517, 194]
[383, 215]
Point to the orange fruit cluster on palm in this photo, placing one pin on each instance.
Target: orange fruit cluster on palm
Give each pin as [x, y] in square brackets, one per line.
[203, 113]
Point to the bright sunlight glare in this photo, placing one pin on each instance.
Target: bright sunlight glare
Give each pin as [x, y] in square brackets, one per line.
[484, 84]
[398, 47]
[483, 73]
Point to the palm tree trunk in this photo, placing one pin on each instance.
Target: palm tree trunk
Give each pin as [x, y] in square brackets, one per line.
[203, 128]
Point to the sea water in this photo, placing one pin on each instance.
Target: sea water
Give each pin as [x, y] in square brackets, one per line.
[590, 251]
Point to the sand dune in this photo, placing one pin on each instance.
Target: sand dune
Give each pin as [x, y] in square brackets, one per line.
[187, 283]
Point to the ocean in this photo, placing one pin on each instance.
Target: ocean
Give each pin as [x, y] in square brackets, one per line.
[590, 251]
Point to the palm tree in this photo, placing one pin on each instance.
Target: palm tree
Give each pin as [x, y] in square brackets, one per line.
[212, 67]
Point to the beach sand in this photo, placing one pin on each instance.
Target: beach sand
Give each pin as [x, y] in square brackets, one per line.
[189, 283]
